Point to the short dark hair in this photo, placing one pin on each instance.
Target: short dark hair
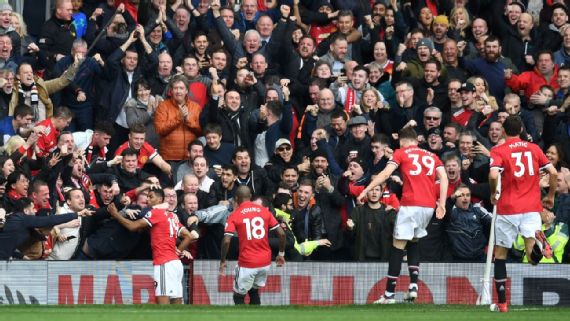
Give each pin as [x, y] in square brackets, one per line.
[212, 128]
[240, 149]
[289, 166]
[275, 107]
[230, 167]
[492, 38]
[281, 199]
[157, 191]
[104, 127]
[22, 110]
[513, 125]
[130, 152]
[361, 68]
[339, 113]
[194, 143]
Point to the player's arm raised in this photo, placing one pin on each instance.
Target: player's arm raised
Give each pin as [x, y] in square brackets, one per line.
[132, 226]
[548, 200]
[379, 179]
[443, 184]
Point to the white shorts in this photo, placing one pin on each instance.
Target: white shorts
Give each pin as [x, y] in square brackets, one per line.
[411, 222]
[168, 279]
[247, 278]
[508, 227]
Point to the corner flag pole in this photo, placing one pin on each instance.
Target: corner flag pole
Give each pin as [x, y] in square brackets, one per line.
[485, 295]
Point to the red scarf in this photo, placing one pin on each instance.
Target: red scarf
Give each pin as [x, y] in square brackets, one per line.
[350, 99]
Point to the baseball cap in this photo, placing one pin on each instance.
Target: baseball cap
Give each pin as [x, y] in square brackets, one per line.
[282, 141]
[467, 86]
[361, 162]
[434, 131]
[318, 153]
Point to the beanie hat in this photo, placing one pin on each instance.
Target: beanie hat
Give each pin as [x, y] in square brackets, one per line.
[425, 42]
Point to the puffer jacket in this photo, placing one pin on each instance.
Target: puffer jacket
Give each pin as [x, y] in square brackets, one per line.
[175, 132]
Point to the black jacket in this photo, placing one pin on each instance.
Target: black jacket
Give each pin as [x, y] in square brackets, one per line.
[17, 226]
[314, 225]
[57, 37]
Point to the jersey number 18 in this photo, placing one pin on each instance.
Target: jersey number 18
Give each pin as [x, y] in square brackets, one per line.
[254, 228]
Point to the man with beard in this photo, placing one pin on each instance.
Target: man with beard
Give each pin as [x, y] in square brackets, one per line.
[434, 142]
[491, 67]
[371, 225]
[298, 64]
[354, 47]
[431, 88]
[278, 120]
[440, 27]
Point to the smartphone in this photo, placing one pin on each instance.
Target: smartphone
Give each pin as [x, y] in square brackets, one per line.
[71, 237]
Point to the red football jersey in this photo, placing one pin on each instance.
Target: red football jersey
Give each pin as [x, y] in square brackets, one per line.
[47, 141]
[418, 168]
[164, 229]
[252, 224]
[519, 162]
[462, 117]
[146, 153]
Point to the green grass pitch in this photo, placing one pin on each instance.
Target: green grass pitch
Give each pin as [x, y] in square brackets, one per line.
[277, 313]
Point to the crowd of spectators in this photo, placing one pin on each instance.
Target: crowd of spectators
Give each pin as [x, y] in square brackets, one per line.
[300, 100]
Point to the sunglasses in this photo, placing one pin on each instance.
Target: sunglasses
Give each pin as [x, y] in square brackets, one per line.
[431, 118]
[284, 148]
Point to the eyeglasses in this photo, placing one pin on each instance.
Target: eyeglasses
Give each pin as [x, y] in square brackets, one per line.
[431, 118]
[284, 148]
[453, 90]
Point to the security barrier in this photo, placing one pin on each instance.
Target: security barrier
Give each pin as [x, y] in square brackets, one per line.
[307, 283]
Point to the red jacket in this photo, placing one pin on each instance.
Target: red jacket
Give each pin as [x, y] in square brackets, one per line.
[531, 81]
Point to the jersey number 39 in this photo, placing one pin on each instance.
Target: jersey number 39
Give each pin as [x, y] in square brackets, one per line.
[421, 162]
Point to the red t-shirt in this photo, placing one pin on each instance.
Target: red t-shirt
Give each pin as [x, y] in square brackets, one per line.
[519, 162]
[461, 117]
[418, 168]
[47, 142]
[146, 153]
[252, 224]
[164, 229]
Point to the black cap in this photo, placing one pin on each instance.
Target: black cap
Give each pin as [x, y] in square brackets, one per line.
[434, 131]
[467, 86]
